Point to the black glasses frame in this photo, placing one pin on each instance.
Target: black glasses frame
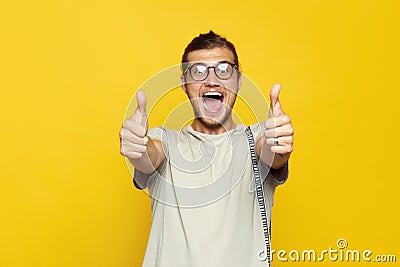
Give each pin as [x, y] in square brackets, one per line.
[234, 66]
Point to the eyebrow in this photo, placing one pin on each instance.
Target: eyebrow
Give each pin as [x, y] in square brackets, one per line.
[205, 63]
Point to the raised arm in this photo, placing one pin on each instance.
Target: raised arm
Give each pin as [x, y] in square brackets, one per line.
[145, 154]
[276, 145]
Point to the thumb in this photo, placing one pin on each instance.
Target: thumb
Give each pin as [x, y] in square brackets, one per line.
[141, 101]
[140, 115]
[275, 109]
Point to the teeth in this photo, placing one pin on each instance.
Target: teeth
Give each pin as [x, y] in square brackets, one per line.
[212, 94]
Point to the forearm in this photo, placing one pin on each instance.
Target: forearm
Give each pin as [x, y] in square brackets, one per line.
[280, 160]
[151, 159]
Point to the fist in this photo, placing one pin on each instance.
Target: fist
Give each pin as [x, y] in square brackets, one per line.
[279, 130]
[133, 139]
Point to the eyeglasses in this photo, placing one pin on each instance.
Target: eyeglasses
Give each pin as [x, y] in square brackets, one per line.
[223, 70]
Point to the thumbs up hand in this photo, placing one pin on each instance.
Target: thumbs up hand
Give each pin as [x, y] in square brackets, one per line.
[279, 130]
[133, 139]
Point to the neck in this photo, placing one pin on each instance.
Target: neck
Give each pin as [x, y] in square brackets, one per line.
[199, 126]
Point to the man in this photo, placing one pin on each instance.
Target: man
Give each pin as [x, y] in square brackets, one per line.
[205, 210]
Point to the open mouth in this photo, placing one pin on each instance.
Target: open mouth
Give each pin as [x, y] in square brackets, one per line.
[213, 101]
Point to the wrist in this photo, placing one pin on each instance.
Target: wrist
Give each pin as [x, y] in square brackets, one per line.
[280, 160]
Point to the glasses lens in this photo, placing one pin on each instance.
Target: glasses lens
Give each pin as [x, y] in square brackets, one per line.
[224, 70]
[198, 71]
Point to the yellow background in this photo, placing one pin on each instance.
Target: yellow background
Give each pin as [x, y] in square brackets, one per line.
[70, 68]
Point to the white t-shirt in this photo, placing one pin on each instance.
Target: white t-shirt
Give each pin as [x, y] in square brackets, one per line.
[204, 207]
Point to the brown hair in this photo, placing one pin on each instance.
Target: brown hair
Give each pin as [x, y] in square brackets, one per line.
[209, 40]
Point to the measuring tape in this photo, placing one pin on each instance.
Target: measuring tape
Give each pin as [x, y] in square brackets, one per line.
[260, 195]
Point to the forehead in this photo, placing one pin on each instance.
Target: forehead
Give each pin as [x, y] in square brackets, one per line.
[216, 54]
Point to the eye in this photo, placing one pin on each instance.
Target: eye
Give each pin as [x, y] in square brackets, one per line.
[199, 69]
[223, 68]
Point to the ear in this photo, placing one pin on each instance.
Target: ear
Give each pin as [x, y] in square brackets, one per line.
[183, 84]
[239, 81]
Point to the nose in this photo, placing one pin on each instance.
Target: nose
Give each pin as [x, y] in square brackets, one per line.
[212, 80]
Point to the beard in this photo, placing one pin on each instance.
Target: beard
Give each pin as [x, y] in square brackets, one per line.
[213, 124]
[210, 122]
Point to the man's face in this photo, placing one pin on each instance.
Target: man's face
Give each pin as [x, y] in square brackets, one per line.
[213, 98]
